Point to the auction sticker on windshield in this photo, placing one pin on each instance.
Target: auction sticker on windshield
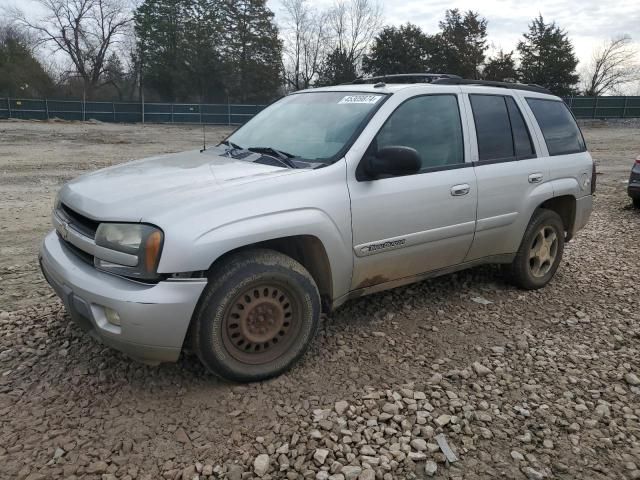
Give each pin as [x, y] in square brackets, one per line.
[360, 99]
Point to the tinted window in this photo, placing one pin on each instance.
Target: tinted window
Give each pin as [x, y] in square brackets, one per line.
[493, 128]
[431, 125]
[558, 126]
[521, 138]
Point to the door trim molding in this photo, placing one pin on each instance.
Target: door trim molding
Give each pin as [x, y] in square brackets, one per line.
[412, 239]
[498, 221]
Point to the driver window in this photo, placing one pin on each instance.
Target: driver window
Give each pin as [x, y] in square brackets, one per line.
[431, 125]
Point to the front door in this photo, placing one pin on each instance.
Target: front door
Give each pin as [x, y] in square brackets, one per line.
[407, 225]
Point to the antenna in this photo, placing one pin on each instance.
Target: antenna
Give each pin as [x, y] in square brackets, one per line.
[204, 140]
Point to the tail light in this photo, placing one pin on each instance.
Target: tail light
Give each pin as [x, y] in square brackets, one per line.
[638, 160]
[593, 177]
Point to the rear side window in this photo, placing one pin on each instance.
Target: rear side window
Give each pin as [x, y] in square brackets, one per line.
[501, 131]
[521, 138]
[559, 128]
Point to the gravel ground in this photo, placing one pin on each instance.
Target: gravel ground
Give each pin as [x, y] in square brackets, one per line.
[516, 384]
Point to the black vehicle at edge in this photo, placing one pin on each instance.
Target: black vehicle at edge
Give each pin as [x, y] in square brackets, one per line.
[634, 183]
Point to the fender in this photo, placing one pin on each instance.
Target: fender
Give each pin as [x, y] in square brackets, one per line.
[212, 244]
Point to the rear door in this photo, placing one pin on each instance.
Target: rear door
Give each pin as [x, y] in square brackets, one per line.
[511, 174]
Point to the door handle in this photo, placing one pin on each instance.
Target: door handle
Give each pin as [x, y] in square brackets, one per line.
[459, 190]
[535, 178]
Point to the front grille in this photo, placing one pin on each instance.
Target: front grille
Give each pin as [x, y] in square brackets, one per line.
[81, 254]
[79, 222]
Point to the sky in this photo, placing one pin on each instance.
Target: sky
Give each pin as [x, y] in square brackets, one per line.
[589, 23]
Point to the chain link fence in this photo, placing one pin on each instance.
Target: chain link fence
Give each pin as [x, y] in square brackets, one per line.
[127, 112]
[234, 114]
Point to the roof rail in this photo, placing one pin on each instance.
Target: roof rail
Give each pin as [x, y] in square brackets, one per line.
[407, 78]
[531, 87]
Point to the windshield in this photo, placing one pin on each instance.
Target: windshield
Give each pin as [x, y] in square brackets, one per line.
[313, 125]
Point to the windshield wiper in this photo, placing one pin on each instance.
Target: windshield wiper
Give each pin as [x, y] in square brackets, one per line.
[231, 144]
[279, 154]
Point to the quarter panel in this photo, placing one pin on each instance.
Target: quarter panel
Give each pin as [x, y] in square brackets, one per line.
[571, 174]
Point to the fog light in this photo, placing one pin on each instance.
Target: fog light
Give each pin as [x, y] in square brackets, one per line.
[112, 316]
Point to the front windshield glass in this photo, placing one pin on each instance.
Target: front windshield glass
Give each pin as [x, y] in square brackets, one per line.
[313, 125]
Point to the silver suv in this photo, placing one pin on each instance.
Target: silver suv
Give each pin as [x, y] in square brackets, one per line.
[326, 195]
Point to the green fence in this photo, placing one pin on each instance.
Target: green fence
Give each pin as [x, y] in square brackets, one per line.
[234, 114]
[604, 107]
[127, 112]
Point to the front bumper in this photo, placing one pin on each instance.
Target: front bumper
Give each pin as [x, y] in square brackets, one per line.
[153, 318]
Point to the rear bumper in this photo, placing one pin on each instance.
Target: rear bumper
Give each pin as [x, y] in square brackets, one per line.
[584, 207]
[153, 318]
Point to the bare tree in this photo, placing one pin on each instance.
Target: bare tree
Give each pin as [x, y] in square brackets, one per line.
[353, 25]
[613, 66]
[85, 30]
[305, 41]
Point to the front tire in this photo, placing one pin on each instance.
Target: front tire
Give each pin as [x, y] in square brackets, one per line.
[540, 252]
[257, 316]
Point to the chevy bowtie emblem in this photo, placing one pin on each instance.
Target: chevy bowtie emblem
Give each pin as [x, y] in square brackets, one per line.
[64, 230]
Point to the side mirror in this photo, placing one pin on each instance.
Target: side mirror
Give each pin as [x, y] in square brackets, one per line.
[393, 161]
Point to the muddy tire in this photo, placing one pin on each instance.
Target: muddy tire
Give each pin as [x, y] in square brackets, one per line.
[636, 202]
[257, 316]
[540, 252]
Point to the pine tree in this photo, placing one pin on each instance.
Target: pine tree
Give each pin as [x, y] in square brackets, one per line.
[160, 32]
[337, 68]
[501, 68]
[547, 58]
[460, 46]
[21, 74]
[114, 75]
[203, 62]
[208, 50]
[252, 51]
[404, 49]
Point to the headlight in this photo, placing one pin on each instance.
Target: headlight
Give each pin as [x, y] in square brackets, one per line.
[140, 240]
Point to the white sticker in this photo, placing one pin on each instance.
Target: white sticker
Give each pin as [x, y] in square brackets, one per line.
[360, 99]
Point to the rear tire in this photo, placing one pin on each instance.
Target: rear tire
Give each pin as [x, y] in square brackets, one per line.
[636, 202]
[540, 252]
[256, 317]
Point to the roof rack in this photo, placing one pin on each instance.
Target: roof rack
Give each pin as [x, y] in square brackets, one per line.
[532, 87]
[407, 78]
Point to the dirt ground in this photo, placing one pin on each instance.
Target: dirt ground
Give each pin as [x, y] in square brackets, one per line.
[531, 385]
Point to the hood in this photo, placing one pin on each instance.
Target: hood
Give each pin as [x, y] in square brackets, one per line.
[135, 190]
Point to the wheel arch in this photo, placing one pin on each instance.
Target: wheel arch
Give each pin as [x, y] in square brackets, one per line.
[308, 250]
[565, 207]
